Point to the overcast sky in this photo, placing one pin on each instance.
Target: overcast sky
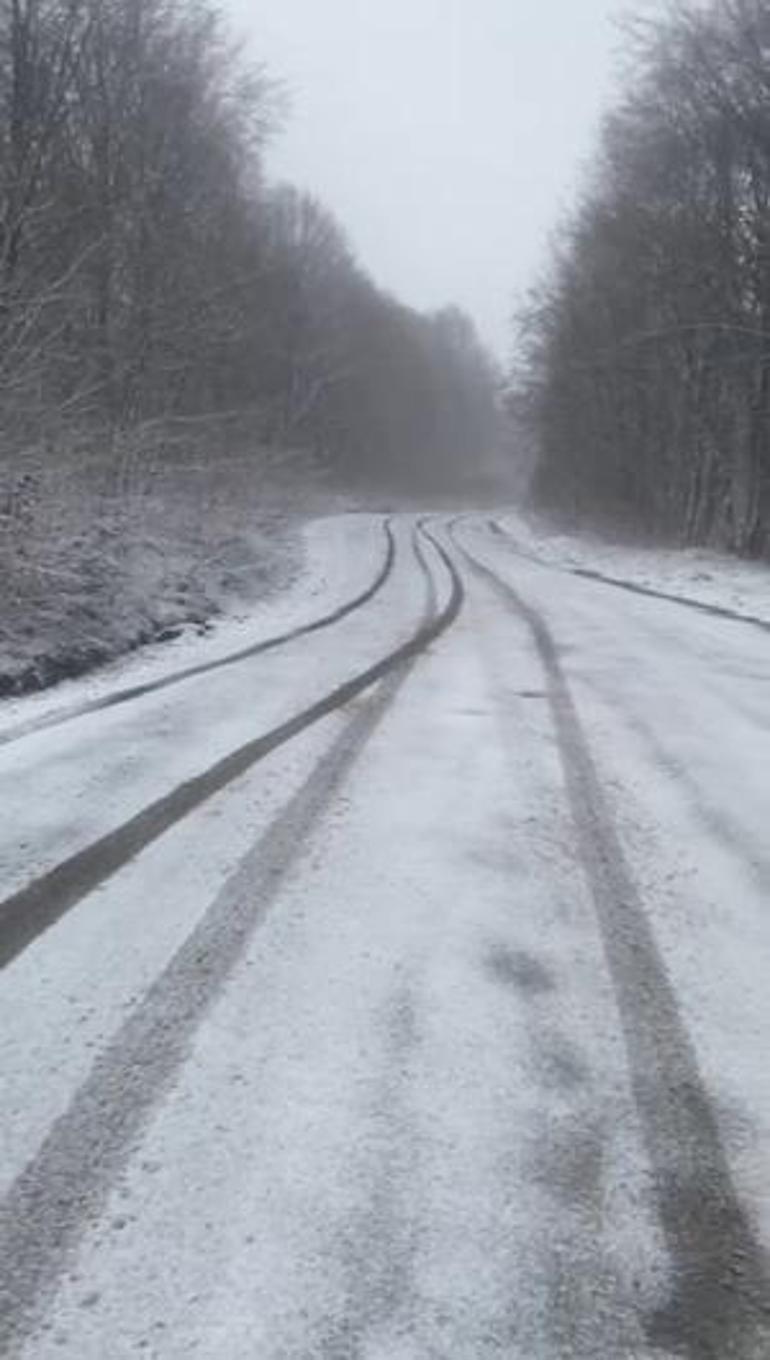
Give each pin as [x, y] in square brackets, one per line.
[446, 135]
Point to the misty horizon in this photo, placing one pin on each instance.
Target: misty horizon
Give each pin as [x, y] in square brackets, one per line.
[448, 139]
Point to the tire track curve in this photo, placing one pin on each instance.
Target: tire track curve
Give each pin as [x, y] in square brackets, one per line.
[618, 583]
[124, 696]
[26, 914]
[66, 1184]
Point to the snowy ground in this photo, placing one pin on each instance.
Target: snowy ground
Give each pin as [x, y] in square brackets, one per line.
[438, 1030]
[329, 555]
[698, 574]
[92, 566]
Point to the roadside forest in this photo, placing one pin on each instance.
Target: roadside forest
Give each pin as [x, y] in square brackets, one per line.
[174, 329]
[642, 369]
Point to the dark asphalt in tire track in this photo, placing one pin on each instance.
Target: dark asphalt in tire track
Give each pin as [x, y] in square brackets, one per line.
[40, 904]
[720, 1306]
[124, 696]
[618, 583]
[62, 1190]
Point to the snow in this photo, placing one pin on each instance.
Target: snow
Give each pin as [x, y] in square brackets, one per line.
[339, 552]
[677, 709]
[699, 574]
[335, 1144]
[63, 787]
[67, 994]
[403, 1118]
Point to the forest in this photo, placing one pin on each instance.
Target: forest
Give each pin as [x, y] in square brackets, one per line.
[149, 274]
[641, 380]
[176, 331]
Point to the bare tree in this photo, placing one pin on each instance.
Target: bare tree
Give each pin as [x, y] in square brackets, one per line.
[646, 359]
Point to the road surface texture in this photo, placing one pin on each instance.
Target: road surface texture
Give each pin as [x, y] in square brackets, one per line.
[396, 988]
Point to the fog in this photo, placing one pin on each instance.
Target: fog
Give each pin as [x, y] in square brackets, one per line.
[448, 136]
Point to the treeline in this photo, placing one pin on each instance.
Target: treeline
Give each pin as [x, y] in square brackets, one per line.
[643, 370]
[150, 278]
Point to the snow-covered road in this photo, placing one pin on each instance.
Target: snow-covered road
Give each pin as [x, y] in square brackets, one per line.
[400, 991]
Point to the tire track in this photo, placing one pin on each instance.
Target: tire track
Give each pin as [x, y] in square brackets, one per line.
[716, 610]
[62, 1190]
[40, 904]
[125, 696]
[720, 1304]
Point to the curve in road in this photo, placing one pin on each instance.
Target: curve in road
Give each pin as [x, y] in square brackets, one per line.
[124, 696]
[38, 905]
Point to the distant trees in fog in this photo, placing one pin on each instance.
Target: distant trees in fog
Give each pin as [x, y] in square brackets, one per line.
[643, 368]
[148, 273]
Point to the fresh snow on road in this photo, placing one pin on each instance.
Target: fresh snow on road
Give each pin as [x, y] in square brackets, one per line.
[698, 574]
[440, 1031]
